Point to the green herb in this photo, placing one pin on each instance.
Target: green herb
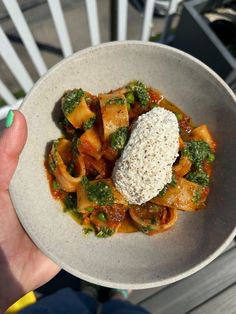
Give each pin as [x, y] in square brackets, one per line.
[52, 163]
[119, 138]
[89, 209]
[87, 230]
[56, 185]
[179, 116]
[140, 92]
[128, 106]
[147, 229]
[211, 157]
[89, 123]
[71, 100]
[101, 193]
[115, 100]
[154, 207]
[197, 195]
[64, 123]
[102, 217]
[197, 152]
[70, 202]
[71, 168]
[85, 182]
[98, 192]
[74, 145]
[130, 97]
[105, 232]
[173, 180]
[163, 191]
[200, 177]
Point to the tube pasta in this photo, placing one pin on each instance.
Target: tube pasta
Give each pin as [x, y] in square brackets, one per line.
[114, 113]
[202, 133]
[90, 143]
[183, 167]
[185, 195]
[58, 155]
[79, 113]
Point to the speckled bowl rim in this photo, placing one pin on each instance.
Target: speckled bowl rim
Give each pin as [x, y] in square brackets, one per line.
[101, 282]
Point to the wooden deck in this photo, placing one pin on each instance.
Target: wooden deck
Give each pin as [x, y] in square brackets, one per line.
[212, 290]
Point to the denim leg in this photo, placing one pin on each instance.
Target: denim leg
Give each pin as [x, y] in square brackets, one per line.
[65, 301]
[122, 307]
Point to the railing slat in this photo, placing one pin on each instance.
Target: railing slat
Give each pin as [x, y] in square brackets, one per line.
[6, 94]
[60, 25]
[23, 29]
[147, 22]
[92, 14]
[122, 19]
[14, 63]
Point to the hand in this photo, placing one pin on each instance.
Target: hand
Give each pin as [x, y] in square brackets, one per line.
[23, 267]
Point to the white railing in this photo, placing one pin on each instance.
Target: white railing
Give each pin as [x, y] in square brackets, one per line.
[17, 68]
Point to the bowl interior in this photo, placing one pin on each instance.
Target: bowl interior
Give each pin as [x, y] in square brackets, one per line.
[129, 260]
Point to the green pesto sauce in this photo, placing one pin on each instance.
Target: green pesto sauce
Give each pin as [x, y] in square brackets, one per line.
[71, 100]
[197, 152]
[52, 160]
[115, 101]
[119, 138]
[87, 230]
[197, 195]
[52, 164]
[140, 92]
[98, 192]
[105, 232]
[199, 177]
[70, 202]
[147, 229]
[89, 123]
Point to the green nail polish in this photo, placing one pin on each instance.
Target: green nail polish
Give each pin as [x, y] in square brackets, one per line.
[9, 119]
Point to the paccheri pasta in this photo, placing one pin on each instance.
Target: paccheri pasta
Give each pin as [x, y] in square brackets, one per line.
[94, 168]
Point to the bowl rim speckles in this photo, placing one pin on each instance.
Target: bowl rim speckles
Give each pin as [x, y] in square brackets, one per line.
[45, 242]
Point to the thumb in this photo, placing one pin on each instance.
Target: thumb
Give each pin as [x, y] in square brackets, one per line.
[12, 142]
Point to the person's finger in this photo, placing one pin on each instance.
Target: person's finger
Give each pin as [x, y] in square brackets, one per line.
[12, 142]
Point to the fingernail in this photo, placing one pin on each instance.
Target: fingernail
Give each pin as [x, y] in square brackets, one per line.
[9, 119]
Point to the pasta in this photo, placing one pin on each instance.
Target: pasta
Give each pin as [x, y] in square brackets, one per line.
[96, 130]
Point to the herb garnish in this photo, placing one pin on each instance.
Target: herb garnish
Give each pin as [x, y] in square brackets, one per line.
[98, 192]
[197, 195]
[87, 230]
[119, 138]
[199, 177]
[140, 92]
[71, 100]
[105, 232]
[70, 202]
[89, 123]
[197, 152]
[115, 100]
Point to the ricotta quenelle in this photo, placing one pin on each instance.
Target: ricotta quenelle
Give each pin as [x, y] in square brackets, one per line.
[145, 165]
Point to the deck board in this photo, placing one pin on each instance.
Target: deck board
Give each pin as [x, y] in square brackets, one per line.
[183, 296]
[138, 296]
[225, 302]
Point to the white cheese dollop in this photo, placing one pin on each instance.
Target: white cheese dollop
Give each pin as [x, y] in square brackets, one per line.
[145, 165]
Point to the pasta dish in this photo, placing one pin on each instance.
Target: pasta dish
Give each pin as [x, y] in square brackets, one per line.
[128, 160]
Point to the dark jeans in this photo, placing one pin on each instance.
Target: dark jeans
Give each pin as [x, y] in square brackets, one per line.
[67, 301]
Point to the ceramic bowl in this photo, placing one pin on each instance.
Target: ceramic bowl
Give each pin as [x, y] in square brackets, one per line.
[130, 260]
